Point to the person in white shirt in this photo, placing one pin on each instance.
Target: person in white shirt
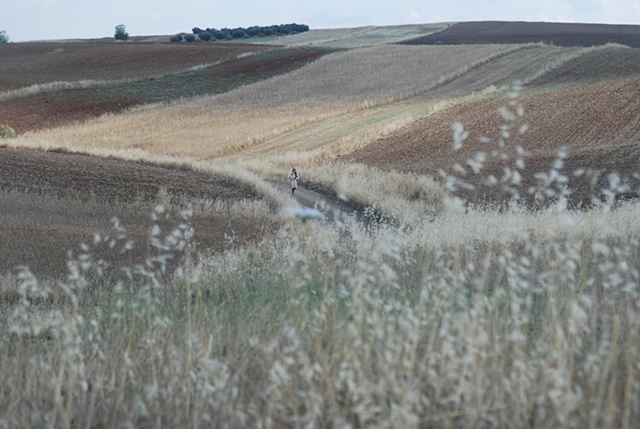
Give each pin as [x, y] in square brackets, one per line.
[293, 179]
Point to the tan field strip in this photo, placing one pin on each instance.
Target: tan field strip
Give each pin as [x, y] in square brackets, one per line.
[349, 38]
[343, 134]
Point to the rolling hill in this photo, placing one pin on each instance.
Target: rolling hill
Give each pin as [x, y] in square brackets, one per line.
[558, 34]
[156, 268]
[378, 104]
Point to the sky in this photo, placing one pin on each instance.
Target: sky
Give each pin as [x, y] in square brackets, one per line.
[25, 20]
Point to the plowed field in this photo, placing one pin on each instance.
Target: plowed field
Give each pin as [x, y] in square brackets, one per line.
[26, 64]
[160, 74]
[599, 123]
[554, 33]
[51, 202]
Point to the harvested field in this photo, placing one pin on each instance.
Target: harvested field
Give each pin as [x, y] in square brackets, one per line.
[594, 66]
[359, 37]
[36, 63]
[41, 108]
[600, 122]
[51, 202]
[558, 34]
[211, 127]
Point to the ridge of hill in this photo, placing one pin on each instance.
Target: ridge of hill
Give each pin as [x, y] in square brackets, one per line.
[555, 33]
[358, 37]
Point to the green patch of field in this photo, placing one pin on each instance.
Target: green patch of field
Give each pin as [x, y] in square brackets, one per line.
[216, 78]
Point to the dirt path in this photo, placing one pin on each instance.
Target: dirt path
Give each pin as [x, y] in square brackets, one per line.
[333, 209]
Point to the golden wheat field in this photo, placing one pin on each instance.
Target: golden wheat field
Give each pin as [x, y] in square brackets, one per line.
[463, 248]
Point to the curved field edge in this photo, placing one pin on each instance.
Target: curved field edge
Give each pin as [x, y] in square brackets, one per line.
[54, 201]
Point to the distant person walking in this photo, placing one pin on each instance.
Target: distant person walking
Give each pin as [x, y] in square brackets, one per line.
[293, 179]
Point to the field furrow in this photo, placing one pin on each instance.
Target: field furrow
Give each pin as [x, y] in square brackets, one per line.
[591, 121]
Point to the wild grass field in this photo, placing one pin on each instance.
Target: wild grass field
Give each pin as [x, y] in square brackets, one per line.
[490, 278]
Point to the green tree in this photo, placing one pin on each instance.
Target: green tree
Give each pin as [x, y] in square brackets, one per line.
[4, 37]
[121, 32]
[238, 33]
[205, 36]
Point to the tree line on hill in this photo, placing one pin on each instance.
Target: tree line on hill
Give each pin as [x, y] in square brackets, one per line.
[209, 34]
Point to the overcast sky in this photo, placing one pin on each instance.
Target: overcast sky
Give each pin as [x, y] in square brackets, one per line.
[62, 19]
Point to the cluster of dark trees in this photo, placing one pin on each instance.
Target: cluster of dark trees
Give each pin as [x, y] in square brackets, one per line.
[240, 32]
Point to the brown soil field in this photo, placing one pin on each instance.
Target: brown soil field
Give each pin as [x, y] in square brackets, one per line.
[161, 79]
[599, 124]
[51, 202]
[595, 66]
[558, 34]
[30, 63]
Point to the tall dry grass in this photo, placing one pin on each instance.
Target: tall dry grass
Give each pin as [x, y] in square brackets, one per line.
[507, 325]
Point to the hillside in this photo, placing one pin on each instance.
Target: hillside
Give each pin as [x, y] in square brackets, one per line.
[597, 123]
[388, 107]
[71, 82]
